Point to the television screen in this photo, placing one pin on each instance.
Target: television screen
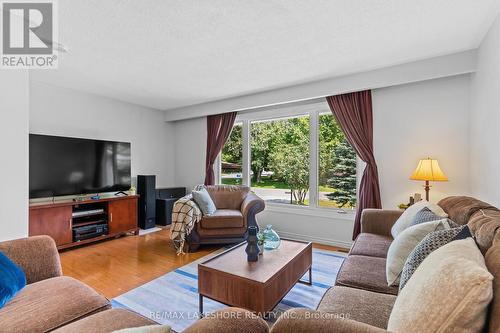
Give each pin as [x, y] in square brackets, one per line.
[69, 166]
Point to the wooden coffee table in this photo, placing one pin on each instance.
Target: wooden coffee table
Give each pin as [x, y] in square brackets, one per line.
[256, 286]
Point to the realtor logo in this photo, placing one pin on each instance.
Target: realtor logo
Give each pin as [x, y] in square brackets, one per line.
[28, 35]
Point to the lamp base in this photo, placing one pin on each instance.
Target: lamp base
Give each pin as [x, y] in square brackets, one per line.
[427, 188]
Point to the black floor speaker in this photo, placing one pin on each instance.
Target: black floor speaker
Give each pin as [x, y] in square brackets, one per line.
[147, 201]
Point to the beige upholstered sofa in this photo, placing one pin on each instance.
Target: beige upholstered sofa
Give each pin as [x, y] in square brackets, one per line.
[361, 292]
[236, 210]
[361, 289]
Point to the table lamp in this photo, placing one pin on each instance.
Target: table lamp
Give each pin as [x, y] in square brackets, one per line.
[428, 170]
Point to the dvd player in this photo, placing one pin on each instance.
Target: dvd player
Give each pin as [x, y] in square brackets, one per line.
[89, 231]
[82, 213]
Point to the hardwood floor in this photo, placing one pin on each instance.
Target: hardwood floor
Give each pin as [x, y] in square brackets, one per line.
[117, 266]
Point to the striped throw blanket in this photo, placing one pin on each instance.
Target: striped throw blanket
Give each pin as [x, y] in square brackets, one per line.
[185, 215]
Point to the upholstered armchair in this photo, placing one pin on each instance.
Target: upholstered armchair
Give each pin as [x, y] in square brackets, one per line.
[236, 210]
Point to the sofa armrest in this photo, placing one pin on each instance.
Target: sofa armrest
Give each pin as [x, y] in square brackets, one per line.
[250, 207]
[379, 221]
[229, 320]
[37, 256]
[305, 321]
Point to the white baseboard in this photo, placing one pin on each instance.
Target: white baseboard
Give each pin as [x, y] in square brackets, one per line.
[319, 240]
[143, 232]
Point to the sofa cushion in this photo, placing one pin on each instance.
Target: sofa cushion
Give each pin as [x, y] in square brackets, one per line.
[461, 208]
[223, 218]
[146, 329]
[485, 226]
[366, 273]
[49, 304]
[449, 292]
[106, 321]
[371, 245]
[228, 196]
[361, 305]
[409, 214]
[492, 259]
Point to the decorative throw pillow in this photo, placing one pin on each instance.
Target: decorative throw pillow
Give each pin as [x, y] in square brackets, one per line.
[430, 243]
[409, 214]
[449, 292]
[404, 243]
[12, 279]
[204, 201]
[424, 215]
[464, 233]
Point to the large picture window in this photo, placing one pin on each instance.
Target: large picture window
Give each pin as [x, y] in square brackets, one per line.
[336, 167]
[298, 158]
[279, 159]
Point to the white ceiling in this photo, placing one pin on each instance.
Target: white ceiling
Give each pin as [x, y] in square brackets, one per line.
[167, 54]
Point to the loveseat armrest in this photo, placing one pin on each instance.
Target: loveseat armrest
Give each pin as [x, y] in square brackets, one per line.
[305, 321]
[252, 205]
[229, 320]
[37, 256]
[379, 221]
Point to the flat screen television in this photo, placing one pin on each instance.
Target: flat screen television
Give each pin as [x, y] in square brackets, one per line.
[60, 166]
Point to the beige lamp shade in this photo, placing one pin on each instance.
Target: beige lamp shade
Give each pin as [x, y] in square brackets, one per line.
[428, 169]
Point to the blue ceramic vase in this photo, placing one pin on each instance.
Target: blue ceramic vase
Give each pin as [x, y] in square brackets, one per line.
[271, 238]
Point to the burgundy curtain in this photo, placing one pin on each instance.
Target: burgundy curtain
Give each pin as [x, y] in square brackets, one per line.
[219, 127]
[353, 112]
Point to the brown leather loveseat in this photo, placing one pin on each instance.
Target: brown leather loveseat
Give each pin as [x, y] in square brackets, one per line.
[236, 210]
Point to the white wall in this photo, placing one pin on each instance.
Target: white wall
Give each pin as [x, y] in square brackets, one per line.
[191, 142]
[419, 120]
[411, 121]
[485, 120]
[14, 109]
[66, 112]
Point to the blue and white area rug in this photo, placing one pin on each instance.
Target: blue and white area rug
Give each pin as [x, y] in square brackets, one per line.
[172, 299]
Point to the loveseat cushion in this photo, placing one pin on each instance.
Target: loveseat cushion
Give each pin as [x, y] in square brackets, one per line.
[221, 232]
[49, 304]
[359, 305]
[371, 245]
[223, 218]
[366, 273]
[228, 196]
[106, 321]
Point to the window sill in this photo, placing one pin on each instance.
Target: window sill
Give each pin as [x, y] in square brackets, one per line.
[330, 213]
